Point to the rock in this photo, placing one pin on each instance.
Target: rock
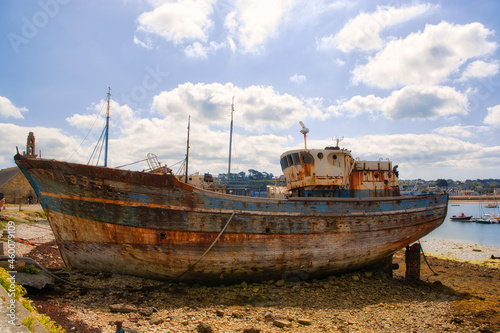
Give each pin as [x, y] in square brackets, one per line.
[38, 280]
[251, 330]
[355, 277]
[204, 328]
[219, 313]
[238, 314]
[148, 311]
[244, 285]
[368, 274]
[280, 283]
[125, 308]
[155, 321]
[281, 323]
[304, 321]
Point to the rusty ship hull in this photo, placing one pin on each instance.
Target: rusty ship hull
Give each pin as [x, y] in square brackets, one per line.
[155, 226]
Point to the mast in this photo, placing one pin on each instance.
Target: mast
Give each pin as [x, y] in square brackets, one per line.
[187, 151]
[304, 131]
[107, 132]
[230, 142]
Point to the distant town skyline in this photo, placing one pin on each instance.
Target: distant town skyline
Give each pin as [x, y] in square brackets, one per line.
[415, 82]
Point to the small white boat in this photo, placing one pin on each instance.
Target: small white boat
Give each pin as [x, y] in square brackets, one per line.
[485, 219]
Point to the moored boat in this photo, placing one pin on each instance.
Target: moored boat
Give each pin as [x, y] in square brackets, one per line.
[340, 214]
[461, 217]
[485, 219]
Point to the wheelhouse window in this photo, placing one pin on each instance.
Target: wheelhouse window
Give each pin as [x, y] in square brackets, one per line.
[306, 158]
[296, 159]
[284, 163]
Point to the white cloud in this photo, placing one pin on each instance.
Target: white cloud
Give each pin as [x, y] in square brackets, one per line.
[253, 22]
[480, 69]
[461, 131]
[122, 114]
[249, 24]
[427, 57]
[148, 44]
[179, 21]
[196, 50]
[493, 117]
[257, 107]
[84, 121]
[363, 31]
[298, 79]
[411, 102]
[339, 62]
[7, 109]
[199, 51]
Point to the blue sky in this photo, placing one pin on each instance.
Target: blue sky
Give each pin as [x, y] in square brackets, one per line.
[413, 81]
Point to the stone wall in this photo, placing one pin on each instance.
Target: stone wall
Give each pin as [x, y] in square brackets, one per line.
[18, 190]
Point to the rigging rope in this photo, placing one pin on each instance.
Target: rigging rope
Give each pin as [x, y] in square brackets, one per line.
[85, 138]
[213, 243]
[96, 145]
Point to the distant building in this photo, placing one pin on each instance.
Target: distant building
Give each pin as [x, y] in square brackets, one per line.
[30, 147]
[13, 184]
[468, 193]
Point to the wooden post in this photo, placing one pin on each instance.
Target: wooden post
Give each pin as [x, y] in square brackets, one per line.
[412, 260]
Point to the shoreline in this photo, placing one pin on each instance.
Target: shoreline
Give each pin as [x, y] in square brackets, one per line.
[475, 198]
[459, 251]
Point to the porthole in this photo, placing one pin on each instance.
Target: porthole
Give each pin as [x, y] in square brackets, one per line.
[320, 155]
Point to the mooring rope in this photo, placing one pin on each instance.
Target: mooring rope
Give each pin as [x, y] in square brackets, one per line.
[425, 258]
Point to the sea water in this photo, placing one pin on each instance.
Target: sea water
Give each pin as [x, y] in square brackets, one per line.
[466, 231]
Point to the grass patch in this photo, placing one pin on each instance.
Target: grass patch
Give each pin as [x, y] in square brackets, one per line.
[19, 294]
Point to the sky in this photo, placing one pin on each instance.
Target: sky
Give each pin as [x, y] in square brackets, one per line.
[416, 82]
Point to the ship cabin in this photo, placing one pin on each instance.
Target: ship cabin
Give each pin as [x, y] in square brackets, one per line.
[333, 172]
